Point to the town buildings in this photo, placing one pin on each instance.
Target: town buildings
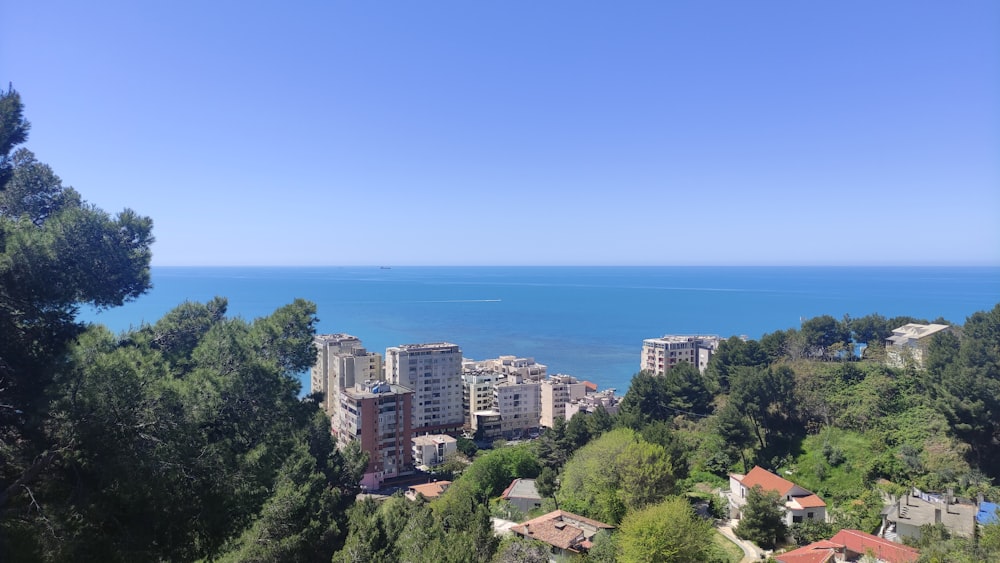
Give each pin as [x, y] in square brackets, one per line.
[556, 392]
[434, 373]
[519, 404]
[799, 504]
[525, 368]
[589, 403]
[433, 449]
[341, 361]
[909, 342]
[378, 416]
[661, 354]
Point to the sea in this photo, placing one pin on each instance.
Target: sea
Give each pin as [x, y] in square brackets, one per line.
[588, 322]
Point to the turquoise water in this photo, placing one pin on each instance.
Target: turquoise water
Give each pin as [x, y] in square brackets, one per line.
[584, 321]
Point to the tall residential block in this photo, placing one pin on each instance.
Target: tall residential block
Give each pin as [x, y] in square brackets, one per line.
[519, 405]
[477, 394]
[377, 414]
[556, 392]
[341, 362]
[434, 373]
[661, 354]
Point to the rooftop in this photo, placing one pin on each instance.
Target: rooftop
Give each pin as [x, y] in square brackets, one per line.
[958, 518]
[822, 551]
[429, 490]
[433, 439]
[861, 543]
[522, 488]
[561, 529]
[914, 331]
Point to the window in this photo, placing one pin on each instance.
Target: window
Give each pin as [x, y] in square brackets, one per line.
[796, 519]
[809, 515]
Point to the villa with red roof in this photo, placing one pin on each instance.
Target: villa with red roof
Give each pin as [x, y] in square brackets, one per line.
[565, 532]
[851, 545]
[799, 503]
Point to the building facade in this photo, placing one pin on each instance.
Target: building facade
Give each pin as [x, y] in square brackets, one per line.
[434, 373]
[661, 354]
[556, 392]
[589, 403]
[378, 415]
[519, 405]
[433, 449]
[341, 362]
[909, 342]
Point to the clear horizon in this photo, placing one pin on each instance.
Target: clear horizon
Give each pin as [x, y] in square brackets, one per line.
[557, 133]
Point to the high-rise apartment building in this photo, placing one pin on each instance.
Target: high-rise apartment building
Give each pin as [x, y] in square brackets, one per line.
[477, 394]
[434, 373]
[519, 405]
[661, 354]
[556, 392]
[341, 362]
[378, 415]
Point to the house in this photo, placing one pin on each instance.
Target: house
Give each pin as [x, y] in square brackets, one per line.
[565, 532]
[904, 517]
[909, 342]
[523, 494]
[800, 504]
[429, 490]
[851, 545]
[433, 449]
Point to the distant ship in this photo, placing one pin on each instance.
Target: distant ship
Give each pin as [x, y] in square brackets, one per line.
[385, 267]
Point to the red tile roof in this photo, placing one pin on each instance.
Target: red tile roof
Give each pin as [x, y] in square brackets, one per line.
[817, 552]
[811, 501]
[859, 542]
[430, 490]
[767, 481]
[562, 529]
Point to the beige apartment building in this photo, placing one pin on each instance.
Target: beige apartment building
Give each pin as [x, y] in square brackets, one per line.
[434, 373]
[477, 393]
[378, 415]
[341, 362]
[661, 354]
[556, 392]
[519, 405]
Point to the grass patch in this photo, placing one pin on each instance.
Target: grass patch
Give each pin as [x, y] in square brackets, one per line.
[832, 464]
[733, 552]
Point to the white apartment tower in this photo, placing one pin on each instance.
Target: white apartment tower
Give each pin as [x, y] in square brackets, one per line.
[434, 372]
[341, 362]
[661, 354]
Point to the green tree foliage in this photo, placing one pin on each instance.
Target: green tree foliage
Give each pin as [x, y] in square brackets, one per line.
[680, 392]
[823, 332]
[970, 391]
[57, 253]
[765, 397]
[871, 328]
[732, 353]
[517, 549]
[762, 519]
[615, 473]
[667, 532]
[809, 531]
[486, 478]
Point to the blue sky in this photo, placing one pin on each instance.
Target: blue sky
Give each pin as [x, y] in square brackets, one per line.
[555, 132]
